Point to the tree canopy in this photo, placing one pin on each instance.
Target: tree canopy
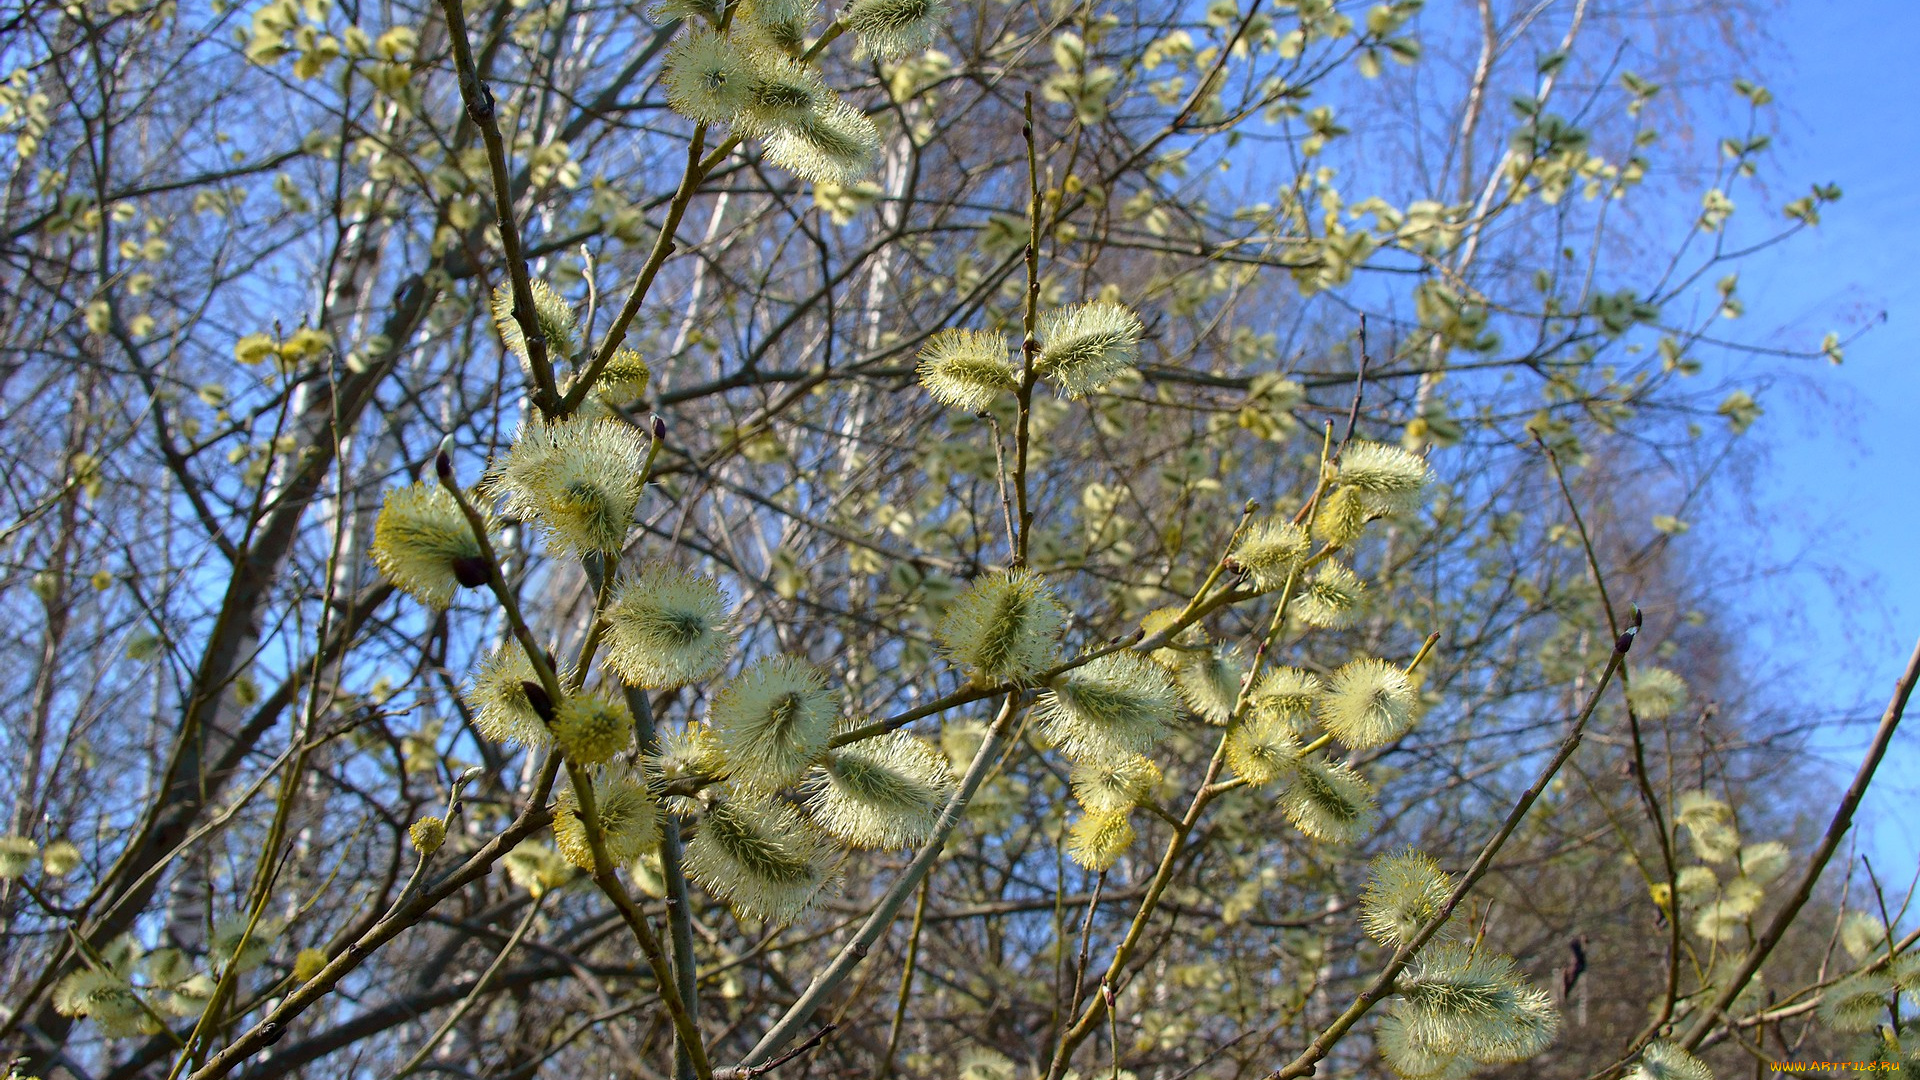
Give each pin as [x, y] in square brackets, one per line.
[925, 538]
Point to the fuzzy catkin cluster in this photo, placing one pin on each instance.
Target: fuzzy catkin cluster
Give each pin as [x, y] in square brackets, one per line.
[757, 854]
[1272, 551]
[1115, 706]
[1209, 681]
[558, 326]
[883, 793]
[1367, 703]
[1004, 628]
[773, 721]
[1404, 892]
[1105, 716]
[1665, 1061]
[577, 481]
[496, 692]
[591, 728]
[1078, 349]
[428, 834]
[667, 628]
[128, 991]
[1458, 1006]
[628, 817]
[967, 369]
[751, 73]
[424, 544]
[1719, 907]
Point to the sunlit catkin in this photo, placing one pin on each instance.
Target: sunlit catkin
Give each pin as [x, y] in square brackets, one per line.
[773, 721]
[1288, 697]
[707, 78]
[1368, 703]
[1656, 693]
[890, 28]
[1709, 824]
[1328, 801]
[1113, 785]
[1083, 347]
[1271, 549]
[666, 11]
[428, 834]
[17, 855]
[1856, 1003]
[1330, 598]
[966, 369]
[623, 379]
[1096, 841]
[1404, 891]
[1390, 480]
[1527, 1029]
[781, 93]
[687, 753]
[308, 963]
[667, 627]
[885, 792]
[551, 313]
[497, 694]
[423, 543]
[1116, 705]
[1408, 1053]
[1004, 628]
[105, 998]
[834, 143]
[1261, 749]
[1764, 861]
[1210, 682]
[60, 859]
[759, 856]
[1341, 517]
[1189, 640]
[1665, 1061]
[577, 481]
[536, 867]
[629, 821]
[591, 728]
[1905, 972]
[980, 1063]
[1460, 999]
[242, 943]
[776, 26]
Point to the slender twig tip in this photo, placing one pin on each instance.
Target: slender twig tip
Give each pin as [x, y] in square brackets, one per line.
[1633, 627]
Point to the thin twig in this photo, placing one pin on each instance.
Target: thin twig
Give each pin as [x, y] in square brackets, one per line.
[1836, 829]
[1383, 983]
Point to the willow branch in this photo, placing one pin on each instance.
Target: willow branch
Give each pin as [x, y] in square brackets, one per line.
[1836, 829]
[855, 950]
[1383, 983]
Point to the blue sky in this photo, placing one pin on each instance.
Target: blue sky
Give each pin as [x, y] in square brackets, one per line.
[1843, 442]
